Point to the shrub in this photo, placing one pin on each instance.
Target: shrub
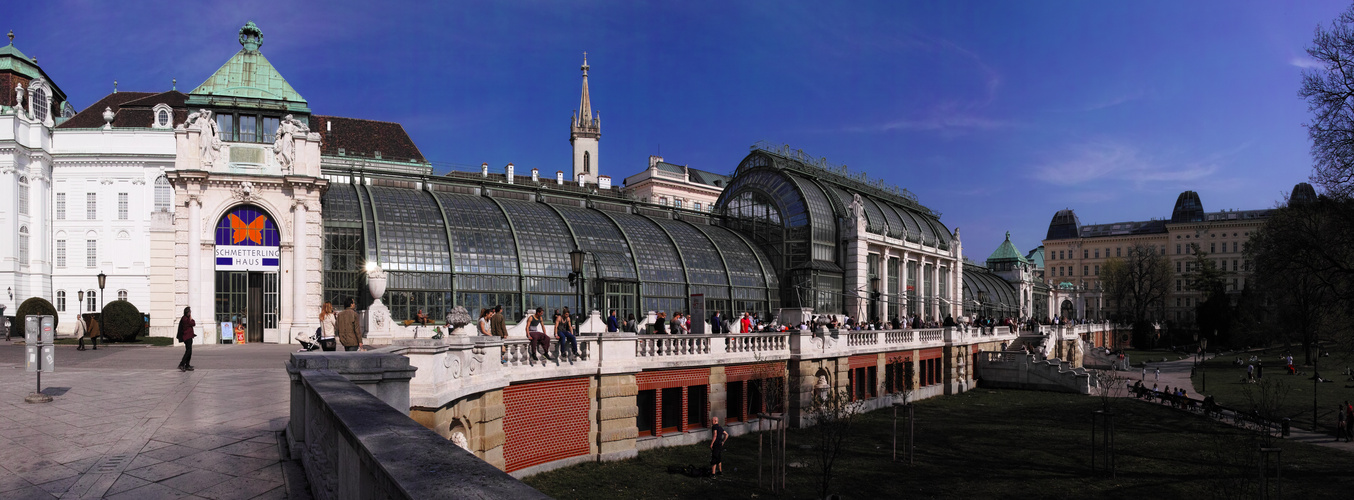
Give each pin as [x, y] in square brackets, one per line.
[34, 306]
[121, 321]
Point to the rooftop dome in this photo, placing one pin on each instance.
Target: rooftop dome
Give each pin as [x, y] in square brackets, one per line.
[1065, 225]
[1188, 208]
[1302, 193]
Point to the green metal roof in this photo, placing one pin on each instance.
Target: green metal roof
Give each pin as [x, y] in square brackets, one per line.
[1007, 251]
[248, 78]
[12, 59]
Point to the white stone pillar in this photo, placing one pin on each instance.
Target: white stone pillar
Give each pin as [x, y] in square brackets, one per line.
[298, 271]
[195, 298]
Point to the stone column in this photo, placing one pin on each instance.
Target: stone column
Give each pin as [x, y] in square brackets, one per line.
[195, 261]
[298, 271]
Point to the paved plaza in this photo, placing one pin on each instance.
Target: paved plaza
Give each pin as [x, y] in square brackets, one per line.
[125, 423]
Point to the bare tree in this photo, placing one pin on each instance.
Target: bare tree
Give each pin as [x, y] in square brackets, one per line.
[1329, 91]
[1136, 286]
[832, 413]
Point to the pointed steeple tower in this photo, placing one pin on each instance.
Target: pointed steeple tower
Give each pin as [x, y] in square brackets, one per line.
[584, 132]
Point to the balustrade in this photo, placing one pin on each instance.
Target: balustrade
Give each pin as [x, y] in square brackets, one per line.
[756, 342]
[671, 345]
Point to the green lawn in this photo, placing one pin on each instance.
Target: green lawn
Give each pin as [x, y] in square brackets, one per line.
[986, 444]
[151, 341]
[1226, 381]
[1137, 356]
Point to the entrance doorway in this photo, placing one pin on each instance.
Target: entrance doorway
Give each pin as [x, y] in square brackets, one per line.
[1068, 311]
[249, 297]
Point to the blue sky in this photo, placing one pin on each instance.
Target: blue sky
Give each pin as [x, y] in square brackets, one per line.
[996, 114]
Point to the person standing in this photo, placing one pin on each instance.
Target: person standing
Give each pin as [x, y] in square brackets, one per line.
[745, 324]
[1156, 375]
[485, 323]
[717, 447]
[349, 332]
[80, 331]
[1339, 422]
[717, 324]
[496, 326]
[327, 321]
[629, 325]
[1144, 372]
[658, 323]
[1349, 421]
[185, 335]
[613, 324]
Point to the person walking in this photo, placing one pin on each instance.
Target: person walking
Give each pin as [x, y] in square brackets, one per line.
[496, 326]
[1349, 421]
[717, 447]
[1339, 422]
[327, 321]
[564, 331]
[1156, 376]
[185, 335]
[80, 331]
[1144, 372]
[349, 332]
[536, 331]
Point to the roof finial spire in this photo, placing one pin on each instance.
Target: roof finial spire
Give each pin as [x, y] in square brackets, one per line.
[115, 86]
[251, 37]
[174, 84]
[11, 42]
[585, 103]
[1008, 236]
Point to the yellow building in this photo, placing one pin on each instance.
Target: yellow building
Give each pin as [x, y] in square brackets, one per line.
[1075, 253]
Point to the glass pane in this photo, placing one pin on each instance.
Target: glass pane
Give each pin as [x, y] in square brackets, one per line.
[270, 128]
[226, 126]
[248, 131]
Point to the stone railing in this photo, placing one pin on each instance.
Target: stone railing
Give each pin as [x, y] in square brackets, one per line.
[353, 444]
[672, 345]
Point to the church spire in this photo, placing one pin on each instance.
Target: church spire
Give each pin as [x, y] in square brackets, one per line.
[585, 118]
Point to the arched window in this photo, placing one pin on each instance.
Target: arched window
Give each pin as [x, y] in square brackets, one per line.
[122, 295]
[60, 301]
[162, 118]
[587, 162]
[164, 194]
[92, 300]
[23, 196]
[40, 105]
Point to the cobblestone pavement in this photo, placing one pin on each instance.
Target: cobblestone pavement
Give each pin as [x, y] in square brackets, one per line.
[125, 423]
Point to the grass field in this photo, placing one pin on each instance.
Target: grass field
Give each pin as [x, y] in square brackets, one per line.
[987, 444]
[1226, 382]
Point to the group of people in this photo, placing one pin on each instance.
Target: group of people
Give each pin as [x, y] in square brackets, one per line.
[1344, 427]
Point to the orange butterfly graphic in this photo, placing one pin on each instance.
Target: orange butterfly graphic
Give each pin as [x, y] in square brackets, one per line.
[252, 231]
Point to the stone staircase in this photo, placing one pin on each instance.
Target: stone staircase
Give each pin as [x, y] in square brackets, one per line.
[1018, 370]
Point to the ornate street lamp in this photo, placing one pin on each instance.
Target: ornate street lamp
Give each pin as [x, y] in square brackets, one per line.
[103, 278]
[576, 260]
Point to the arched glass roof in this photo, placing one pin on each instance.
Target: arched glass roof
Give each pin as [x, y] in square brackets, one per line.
[481, 237]
[703, 263]
[988, 291]
[657, 255]
[597, 234]
[412, 235]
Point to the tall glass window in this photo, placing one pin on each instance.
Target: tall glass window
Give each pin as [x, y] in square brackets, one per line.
[872, 272]
[60, 253]
[60, 301]
[91, 253]
[912, 287]
[270, 128]
[944, 280]
[23, 196]
[122, 206]
[91, 300]
[92, 206]
[61, 206]
[248, 128]
[23, 246]
[893, 298]
[225, 124]
[164, 194]
[929, 289]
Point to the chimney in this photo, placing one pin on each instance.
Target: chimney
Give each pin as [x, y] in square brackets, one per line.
[508, 170]
[484, 170]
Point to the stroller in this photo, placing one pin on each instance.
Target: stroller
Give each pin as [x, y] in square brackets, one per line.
[311, 343]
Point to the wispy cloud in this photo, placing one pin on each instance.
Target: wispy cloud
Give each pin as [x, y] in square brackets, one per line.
[938, 122]
[954, 116]
[1305, 62]
[1094, 162]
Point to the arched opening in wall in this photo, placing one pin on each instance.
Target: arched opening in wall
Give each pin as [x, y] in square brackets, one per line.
[587, 162]
[459, 433]
[164, 194]
[1067, 310]
[247, 257]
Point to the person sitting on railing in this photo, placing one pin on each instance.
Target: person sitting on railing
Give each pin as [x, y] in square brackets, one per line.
[422, 318]
[536, 331]
[564, 331]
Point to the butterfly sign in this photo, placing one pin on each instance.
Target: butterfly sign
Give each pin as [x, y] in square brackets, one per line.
[252, 231]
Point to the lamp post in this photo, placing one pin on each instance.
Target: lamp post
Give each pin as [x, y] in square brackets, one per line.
[576, 260]
[103, 278]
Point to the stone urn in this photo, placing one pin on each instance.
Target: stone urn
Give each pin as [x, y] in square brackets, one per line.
[108, 118]
[376, 282]
[378, 315]
[457, 319]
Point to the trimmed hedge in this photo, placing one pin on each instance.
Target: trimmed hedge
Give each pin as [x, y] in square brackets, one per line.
[121, 321]
[34, 306]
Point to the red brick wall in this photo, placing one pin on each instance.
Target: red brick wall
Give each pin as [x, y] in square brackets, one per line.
[545, 421]
[864, 360]
[672, 378]
[750, 372]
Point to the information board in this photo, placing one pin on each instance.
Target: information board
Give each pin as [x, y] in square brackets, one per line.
[697, 311]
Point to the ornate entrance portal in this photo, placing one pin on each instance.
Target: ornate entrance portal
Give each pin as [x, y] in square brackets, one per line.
[247, 258]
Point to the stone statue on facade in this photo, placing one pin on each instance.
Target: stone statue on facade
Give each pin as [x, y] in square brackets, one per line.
[18, 98]
[210, 138]
[284, 146]
[857, 211]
